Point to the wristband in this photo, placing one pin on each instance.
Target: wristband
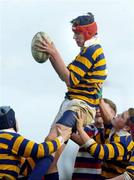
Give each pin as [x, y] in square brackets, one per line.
[88, 143]
[60, 138]
[126, 176]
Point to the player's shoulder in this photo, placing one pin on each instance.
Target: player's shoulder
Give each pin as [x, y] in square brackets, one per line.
[90, 50]
[93, 48]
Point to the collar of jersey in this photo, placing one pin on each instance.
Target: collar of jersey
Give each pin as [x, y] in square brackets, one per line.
[8, 130]
[93, 41]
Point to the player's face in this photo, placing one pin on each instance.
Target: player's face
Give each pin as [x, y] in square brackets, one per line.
[131, 126]
[79, 38]
[120, 121]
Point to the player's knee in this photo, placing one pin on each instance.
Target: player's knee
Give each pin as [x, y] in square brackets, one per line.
[68, 119]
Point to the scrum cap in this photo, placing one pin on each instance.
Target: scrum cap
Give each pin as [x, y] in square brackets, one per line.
[7, 117]
[85, 24]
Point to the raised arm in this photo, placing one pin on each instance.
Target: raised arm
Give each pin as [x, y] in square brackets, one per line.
[56, 60]
[26, 148]
[106, 112]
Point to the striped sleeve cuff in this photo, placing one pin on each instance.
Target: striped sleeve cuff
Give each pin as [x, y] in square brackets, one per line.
[88, 143]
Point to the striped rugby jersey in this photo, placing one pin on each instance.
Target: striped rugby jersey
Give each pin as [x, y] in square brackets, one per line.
[13, 147]
[117, 153]
[130, 167]
[87, 72]
[28, 165]
[87, 167]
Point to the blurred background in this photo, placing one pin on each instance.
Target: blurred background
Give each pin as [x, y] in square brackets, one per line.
[34, 90]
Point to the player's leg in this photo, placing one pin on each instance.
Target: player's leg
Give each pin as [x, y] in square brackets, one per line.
[67, 119]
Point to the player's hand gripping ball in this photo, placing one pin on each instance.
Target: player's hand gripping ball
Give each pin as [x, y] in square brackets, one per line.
[39, 56]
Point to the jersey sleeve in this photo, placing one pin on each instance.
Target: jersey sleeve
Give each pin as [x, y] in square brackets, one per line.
[26, 148]
[112, 150]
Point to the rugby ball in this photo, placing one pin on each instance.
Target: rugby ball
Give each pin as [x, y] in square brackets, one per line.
[39, 56]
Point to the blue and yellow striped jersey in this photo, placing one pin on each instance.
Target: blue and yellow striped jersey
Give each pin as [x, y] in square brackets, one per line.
[130, 167]
[26, 166]
[87, 72]
[113, 168]
[117, 154]
[119, 149]
[13, 147]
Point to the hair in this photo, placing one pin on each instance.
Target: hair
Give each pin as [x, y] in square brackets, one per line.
[111, 104]
[131, 112]
[131, 115]
[83, 20]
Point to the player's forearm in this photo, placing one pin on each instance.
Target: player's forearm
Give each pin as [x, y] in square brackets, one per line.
[84, 136]
[77, 139]
[106, 113]
[60, 67]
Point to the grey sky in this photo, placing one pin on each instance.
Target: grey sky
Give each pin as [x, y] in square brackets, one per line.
[34, 90]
